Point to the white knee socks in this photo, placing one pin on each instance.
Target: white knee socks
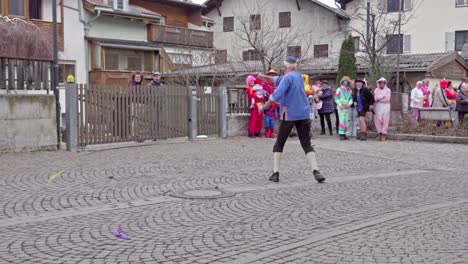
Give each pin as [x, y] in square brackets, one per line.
[276, 161]
[312, 160]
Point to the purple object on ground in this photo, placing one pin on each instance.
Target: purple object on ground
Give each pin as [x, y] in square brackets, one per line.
[121, 235]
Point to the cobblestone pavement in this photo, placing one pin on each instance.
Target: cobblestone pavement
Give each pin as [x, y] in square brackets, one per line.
[391, 202]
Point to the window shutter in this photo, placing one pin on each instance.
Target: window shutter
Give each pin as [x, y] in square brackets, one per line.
[407, 44]
[449, 41]
[408, 5]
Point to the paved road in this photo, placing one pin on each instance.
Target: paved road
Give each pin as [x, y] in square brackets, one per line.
[392, 202]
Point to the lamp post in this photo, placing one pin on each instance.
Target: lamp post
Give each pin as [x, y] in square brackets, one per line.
[55, 73]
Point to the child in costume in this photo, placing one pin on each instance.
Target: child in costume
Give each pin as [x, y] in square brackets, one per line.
[271, 113]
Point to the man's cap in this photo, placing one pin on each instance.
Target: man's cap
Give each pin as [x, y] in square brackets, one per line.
[361, 81]
[156, 73]
[291, 59]
[325, 81]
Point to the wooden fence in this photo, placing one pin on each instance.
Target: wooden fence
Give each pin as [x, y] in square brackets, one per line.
[22, 74]
[109, 114]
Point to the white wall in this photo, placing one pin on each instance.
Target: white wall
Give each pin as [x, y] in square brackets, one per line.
[47, 10]
[322, 23]
[75, 39]
[429, 22]
[117, 28]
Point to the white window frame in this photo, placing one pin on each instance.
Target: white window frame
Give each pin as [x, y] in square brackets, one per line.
[115, 4]
[465, 4]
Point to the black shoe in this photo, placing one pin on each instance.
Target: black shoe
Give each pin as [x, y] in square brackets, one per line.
[274, 177]
[251, 136]
[346, 138]
[323, 133]
[257, 135]
[318, 176]
[331, 133]
[342, 137]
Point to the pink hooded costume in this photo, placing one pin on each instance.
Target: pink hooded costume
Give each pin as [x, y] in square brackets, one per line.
[382, 98]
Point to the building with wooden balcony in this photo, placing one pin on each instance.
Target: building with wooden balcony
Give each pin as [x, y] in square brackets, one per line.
[126, 36]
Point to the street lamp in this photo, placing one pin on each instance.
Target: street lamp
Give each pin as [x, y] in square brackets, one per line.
[55, 73]
[400, 6]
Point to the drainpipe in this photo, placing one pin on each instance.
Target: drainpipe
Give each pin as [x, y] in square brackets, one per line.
[86, 26]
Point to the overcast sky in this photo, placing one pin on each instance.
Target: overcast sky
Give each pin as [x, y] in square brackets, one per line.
[329, 2]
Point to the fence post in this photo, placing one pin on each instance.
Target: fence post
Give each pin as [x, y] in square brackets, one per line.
[222, 111]
[192, 112]
[71, 106]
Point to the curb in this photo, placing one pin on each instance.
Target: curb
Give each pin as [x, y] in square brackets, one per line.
[424, 138]
[133, 144]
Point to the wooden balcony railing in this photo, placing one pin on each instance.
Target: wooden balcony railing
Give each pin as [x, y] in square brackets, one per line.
[47, 27]
[180, 36]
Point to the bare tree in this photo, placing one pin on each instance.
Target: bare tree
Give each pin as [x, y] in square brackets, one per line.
[259, 32]
[22, 39]
[383, 29]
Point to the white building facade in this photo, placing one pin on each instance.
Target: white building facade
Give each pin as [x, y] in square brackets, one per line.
[321, 28]
[432, 26]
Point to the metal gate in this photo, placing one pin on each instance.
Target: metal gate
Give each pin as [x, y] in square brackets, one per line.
[208, 111]
[109, 114]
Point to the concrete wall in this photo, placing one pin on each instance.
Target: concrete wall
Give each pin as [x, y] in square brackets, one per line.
[321, 25]
[27, 122]
[429, 23]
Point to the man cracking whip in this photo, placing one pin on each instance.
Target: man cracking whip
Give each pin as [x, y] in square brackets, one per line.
[295, 111]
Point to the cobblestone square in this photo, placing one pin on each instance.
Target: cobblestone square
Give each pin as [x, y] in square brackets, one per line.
[383, 202]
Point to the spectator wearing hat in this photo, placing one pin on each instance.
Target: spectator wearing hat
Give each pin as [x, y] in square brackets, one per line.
[363, 102]
[382, 97]
[156, 81]
[344, 100]
[294, 112]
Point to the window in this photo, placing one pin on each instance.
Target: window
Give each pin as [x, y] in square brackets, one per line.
[394, 5]
[228, 24]
[357, 43]
[294, 51]
[321, 51]
[116, 4]
[251, 55]
[285, 19]
[128, 60]
[35, 9]
[461, 38]
[255, 22]
[120, 4]
[392, 44]
[462, 3]
[16, 8]
[220, 56]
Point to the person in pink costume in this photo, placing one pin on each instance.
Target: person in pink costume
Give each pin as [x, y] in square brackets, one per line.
[426, 93]
[382, 96]
[256, 95]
